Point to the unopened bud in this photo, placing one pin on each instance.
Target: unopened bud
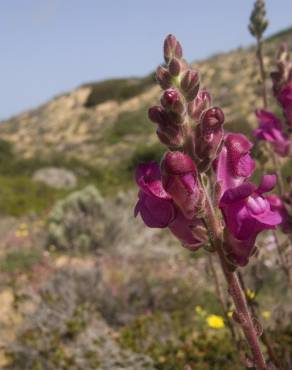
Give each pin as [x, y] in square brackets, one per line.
[201, 103]
[209, 136]
[171, 48]
[190, 84]
[212, 119]
[175, 67]
[258, 21]
[163, 77]
[158, 115]
[172, 101]
[169, 137]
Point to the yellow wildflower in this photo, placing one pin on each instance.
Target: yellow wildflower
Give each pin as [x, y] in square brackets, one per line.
[250, 294]
[215, 322]
[266, 314]
[21, 233]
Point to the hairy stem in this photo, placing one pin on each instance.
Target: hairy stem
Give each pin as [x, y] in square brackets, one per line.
[234, 288]
[221, 299]
[262, 71]
[264, 337]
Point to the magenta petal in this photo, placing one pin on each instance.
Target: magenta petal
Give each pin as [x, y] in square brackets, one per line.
[268, 219]
[148, 178]
[236, 194]
[234, 163]
[239, 251]
[267, 184]
[246, 166]
[182, 229]
[268, 120]
[157, 213]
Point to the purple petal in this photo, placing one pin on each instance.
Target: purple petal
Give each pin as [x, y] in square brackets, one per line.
[182, 229]
[239, 251]
[156, 213]
[267, 184]
[148, 178]
[268, 120]
[236, 194]
[246, 166]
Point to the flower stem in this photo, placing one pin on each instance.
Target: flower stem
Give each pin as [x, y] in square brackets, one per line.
[234, 288]
[262, 71]
[221, 299]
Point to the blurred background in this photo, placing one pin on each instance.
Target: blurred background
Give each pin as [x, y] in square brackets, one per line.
[83, 284]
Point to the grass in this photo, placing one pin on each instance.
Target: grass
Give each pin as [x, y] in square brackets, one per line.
[20, 195]
[20, 260]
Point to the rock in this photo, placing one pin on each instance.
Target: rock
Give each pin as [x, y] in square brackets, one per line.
[59, 178]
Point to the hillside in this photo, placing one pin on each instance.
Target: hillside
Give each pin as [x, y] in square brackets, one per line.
[106, 123]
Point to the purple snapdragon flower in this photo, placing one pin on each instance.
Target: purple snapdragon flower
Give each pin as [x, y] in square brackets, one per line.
[284, 97]
[247, 212]
[158, 210]
[234, 163]
[270, 129]
[278, 205]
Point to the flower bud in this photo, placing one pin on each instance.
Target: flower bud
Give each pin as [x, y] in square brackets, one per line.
[168, 132]
[171, 48]
[158, 115]
[175, 67]
[170, 137]
[199, 104]
[258, 21]
[212, 119]
[209, 136]
[163, 77]
[172, 101]
[179, 179]
[190, 84]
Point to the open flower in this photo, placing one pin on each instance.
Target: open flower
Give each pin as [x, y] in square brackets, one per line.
[284, 97]
[215, 321]
[247, 212]
[270, 129]
[234, 163]
[158, 210]
[278, 205]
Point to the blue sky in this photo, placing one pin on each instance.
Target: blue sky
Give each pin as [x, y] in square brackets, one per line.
[51, 46]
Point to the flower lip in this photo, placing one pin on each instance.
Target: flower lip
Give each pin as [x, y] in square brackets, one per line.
[268, 182]
[257, 205]
[238, 193]
[148, 179]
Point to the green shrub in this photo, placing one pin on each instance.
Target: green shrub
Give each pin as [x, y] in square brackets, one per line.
[117, 89]
[77, 223]
[145, 153]
[129, 123]
[176, 340]
[20, 195]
